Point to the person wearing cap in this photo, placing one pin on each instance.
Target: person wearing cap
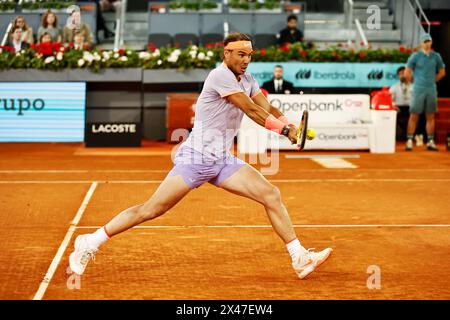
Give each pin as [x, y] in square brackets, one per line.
[426, 67]
[205, 156]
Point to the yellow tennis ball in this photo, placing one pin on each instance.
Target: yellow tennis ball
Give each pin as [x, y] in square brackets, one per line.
[310, 134]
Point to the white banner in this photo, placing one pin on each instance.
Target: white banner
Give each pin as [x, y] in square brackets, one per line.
[340, 121]
[324, 108]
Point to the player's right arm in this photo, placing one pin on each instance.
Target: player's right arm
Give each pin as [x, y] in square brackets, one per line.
[258, 114]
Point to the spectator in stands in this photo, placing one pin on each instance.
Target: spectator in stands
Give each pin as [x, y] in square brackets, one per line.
[278, 84]
[101, 23]
[79, 42]
[111, 5]
[15, 40]
[50, 25]
[45, 38]
[75, 24]
[27, 31]
[291, 33]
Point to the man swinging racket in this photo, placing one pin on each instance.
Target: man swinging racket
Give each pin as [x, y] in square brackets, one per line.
[205, 156]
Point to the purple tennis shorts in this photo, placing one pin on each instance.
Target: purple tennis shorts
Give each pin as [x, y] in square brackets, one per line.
[195, 169]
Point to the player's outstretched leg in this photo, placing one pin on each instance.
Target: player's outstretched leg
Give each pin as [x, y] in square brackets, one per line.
[250, 183]
[169, 193]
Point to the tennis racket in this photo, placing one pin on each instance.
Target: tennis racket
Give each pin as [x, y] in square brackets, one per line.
[302, 129]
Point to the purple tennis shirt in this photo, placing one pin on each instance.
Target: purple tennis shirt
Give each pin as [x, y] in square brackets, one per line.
[217, 121]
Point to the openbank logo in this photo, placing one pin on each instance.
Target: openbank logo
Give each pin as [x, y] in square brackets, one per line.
[303, 74]
[21, 105]
[375, 75]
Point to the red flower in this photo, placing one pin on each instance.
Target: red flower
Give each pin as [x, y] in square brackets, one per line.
[285, 47]
[304, 53]
[177, 44]
[402, 49]
[121, 51]
[210, 45]
[362, 55]
[262, 52]
[151, 47]
[47, 48]
[7, 48]
[409, 51]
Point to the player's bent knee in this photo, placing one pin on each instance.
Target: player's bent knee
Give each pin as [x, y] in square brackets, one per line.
[271, 196]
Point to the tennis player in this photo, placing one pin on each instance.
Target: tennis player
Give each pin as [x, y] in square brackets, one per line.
[206, 156]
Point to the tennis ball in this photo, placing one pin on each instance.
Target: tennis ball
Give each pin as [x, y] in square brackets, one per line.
[310, 134]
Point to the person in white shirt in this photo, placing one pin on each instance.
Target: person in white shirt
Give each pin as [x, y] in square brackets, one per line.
[401, 98]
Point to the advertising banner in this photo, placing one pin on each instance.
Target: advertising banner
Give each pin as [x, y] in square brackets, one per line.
[42, 111]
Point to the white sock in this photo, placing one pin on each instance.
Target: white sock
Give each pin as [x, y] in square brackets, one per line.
[295, 249]
[97, 238]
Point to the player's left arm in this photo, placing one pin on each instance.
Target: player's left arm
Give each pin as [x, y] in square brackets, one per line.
[261, 100]
[440, 67]
[440, 74]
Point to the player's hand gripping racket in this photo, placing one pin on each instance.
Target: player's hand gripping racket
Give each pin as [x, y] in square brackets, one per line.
[302, 130]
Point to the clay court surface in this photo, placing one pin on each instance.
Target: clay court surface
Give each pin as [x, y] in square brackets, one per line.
[391, 211]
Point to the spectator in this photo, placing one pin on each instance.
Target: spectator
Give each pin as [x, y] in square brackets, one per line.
[79, 42]
[111, 5]
[16, 41]
[278, 84]
[291, 33]
[101, 23]
[75, 24]
[27, 31]
[45, 38]
[50, 25]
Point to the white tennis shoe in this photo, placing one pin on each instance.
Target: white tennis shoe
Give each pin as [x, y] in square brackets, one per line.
[309, 261]
[82, 254]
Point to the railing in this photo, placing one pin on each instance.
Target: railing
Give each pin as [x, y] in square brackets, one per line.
[422, 15]
[226, 29]
[408, 18]
[348, 11]
[120, 26]
[361, 34]
[5, 37]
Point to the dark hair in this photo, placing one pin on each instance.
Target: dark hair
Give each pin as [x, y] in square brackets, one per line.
[44, 19]
[278, 66]
[235, 36]
[292, 17]
[43, 35]
[400, 69]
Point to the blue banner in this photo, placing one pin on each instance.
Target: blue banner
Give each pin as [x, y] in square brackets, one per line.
[329, 74]
[42, 111]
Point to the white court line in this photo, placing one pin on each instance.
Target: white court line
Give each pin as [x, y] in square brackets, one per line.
[271, 180]
[62, 248]
[295, 226]
[323, 156]
[335, 163]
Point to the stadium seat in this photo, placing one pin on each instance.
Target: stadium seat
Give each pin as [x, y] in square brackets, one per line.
[160, 39]
[264, 40]
[207, 38]
[183, 40]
